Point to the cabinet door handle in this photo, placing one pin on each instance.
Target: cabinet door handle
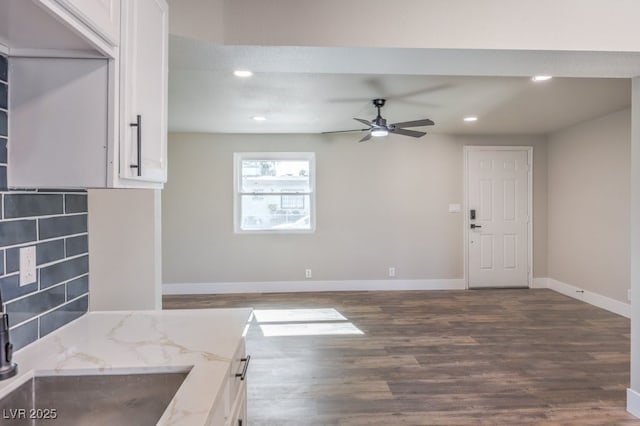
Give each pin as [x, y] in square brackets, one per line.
[138, 124]
[244, 370]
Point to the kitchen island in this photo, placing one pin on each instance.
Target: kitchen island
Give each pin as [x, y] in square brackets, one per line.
[206, 343]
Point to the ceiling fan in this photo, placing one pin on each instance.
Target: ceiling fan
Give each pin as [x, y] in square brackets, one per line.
[379, 127]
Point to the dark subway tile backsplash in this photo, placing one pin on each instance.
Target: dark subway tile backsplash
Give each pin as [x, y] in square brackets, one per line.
[17, 232]
[75, 203]
[35, 304]
[4, 125]
[4, 68]
[28, 205]
[63, 271]
[77, 287]
[62, 225]
[63, 315]
[4, 96]
[55, 222]
[24, 334]
[49, 251]
[46, 252]
[12, 260]
[11, 288]
[3, 150]
[77, 245]
[3, 178]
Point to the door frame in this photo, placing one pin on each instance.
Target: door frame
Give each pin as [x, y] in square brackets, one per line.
[465, 223]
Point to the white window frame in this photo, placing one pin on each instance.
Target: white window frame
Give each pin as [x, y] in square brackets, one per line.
[238, 157]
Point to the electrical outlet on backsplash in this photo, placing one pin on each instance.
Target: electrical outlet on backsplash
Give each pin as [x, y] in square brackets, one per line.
[53, 221]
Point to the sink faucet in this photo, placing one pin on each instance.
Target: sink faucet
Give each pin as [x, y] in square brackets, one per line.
[8, 369]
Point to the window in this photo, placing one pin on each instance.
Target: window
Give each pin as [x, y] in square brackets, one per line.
[274, 192]
[292, 201]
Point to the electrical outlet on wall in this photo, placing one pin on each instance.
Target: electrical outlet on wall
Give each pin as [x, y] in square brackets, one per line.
[307, 273]
[392, 271]
[27, 265]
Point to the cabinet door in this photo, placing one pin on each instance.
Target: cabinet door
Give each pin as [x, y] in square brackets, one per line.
[239, 410]
[144, 50]
[102, 16]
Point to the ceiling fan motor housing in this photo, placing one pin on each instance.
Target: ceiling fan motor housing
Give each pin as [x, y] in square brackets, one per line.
[379, 122]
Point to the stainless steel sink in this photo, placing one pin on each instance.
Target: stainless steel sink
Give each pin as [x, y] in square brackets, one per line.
[127, 399]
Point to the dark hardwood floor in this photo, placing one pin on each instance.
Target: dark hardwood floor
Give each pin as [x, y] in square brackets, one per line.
[485, 357]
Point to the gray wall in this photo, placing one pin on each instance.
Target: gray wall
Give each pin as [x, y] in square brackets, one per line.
[124, 237]
[589, 170]
[379, 204]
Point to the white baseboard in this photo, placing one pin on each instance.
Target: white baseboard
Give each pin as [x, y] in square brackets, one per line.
[633, 402]
[604, 302]
[595, 299]
[540, 283]
[311, 286]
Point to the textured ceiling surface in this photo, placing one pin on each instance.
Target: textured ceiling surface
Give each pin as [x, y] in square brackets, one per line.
[301, 94]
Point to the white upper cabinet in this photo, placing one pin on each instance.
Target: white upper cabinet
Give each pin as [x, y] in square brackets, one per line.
[101, 16]
[88, 98]
[45, 28]
[143, 90]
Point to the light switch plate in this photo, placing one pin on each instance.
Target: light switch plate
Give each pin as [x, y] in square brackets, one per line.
[27, 265]
[454, 208]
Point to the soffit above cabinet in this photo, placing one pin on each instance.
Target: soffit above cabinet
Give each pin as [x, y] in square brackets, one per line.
[26, 28]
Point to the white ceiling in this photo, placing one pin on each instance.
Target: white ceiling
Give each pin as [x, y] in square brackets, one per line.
[205, 96]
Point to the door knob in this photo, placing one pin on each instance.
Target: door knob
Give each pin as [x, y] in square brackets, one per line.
[474, 226]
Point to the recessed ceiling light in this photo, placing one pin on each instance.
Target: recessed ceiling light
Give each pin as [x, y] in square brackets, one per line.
[242, 73]
[541, 78]
[470, 119]
[259, 118]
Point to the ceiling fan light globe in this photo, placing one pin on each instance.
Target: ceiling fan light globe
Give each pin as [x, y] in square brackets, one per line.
[379, 132]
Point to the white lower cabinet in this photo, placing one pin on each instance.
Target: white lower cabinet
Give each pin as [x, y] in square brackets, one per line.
[239, 409]
[231, 408]
[219, 412]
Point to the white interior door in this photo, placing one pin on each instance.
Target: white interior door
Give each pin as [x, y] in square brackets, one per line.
[498, 215]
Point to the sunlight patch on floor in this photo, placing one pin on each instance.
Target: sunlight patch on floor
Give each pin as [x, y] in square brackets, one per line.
[310, 329]
[297, 315]
[304, 322]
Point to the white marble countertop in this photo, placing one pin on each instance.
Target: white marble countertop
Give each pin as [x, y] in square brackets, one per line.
[201, 341]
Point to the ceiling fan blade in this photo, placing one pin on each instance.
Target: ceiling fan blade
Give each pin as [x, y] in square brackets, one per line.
[422, 91]
[344, 100]
[418, 103]
[416, 123]
[344, 131]
[365, 122]
[407, 132]
[366, 138]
